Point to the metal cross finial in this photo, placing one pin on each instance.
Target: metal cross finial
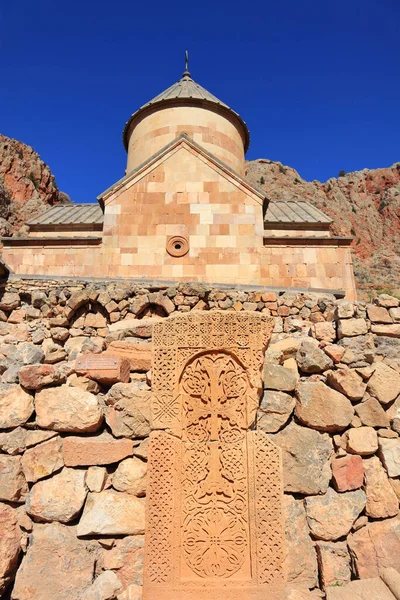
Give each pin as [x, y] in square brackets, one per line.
[186, 73]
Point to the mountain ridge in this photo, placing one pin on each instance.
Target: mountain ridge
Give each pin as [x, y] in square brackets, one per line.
[364, 204]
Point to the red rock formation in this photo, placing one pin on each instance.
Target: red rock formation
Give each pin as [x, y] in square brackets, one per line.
[365, 204]
[27, 185]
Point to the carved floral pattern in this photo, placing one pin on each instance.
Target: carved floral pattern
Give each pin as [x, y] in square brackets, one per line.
[214, 404]
[214, 542]
[215, 525]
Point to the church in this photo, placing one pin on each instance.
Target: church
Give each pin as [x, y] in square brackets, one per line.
[184, 211]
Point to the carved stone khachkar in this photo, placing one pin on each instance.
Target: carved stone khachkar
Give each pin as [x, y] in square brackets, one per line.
[214, 525]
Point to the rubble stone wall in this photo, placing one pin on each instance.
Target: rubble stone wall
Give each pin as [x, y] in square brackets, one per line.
[73, 449]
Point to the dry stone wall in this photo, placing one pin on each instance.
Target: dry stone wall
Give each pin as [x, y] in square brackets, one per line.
[73, 440]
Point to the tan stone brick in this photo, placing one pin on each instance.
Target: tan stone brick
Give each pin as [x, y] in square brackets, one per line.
[100, 450]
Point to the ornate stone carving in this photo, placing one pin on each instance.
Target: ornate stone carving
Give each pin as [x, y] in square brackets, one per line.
[214, 519]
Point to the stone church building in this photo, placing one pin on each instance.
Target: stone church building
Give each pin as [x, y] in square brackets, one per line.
[185, 212]
[173, 425]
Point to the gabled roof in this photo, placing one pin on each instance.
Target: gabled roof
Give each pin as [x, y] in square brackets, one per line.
[186, 91]
[184, 138]
[279, 213]
[292, 212]
[72, 214]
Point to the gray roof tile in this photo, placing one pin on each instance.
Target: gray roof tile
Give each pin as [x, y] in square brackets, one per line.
[185, 88]
[73, 214]
[293, 212]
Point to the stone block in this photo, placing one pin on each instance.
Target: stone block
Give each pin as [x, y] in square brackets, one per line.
[311, 359]
[96, 478]
[281, 350]
[361, 440]
[107, 370]
[334, 352]
[59, 498]
[105, 587]
[95, 320]
[395, 314]
[384, 383]
[348, 382]
[347, 473]
[68, 408]
[126, 556]
[389, 452]
[96, 450]
[322, 408]
[325, 331]
[112, 513]
[375, 547]
[352, 327]
[141, 328]
[43, 460]
[332, 515]
[13, 442]
[13, 486]
[387, 301]
[365, 589]
[128, 410]
[306, 454]
[372, 414]
[78, 299]
[16, 407]
[130, 477]
[344, 309]
[334, 563]
[9, 301]
[84, 383]
[57, 565]
[60, 334]
[378, 314]
[392, 331]
[10, 539]
[300, 560]
[275, 411]
[382, 501]
[34, 377]
[138, 355]
[17, 316]
[279, 378]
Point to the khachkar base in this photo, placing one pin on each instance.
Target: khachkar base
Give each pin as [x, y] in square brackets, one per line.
[214, 525]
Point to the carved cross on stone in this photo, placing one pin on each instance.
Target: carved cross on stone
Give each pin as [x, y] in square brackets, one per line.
[214, 506]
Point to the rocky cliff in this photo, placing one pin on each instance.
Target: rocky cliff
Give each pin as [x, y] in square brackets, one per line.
[27, 185]
[364, 204]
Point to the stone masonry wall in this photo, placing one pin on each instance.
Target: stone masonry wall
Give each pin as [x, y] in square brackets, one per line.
[73, 449]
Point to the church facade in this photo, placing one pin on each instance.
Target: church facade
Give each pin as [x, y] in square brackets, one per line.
[185, 212]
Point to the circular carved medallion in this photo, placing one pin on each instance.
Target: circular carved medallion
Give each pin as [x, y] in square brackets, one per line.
[177, 246]
[215, 542]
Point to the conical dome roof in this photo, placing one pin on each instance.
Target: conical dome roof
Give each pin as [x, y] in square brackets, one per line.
[186, 92]
[186, 87]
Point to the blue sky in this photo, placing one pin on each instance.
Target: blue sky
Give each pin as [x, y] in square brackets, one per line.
[317, 82]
